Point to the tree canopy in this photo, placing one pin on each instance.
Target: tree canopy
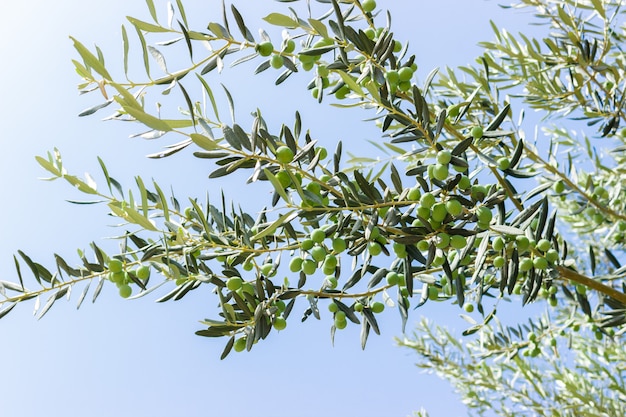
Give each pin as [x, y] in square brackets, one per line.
[464, 204]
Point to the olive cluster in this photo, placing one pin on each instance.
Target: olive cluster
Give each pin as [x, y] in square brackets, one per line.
[318, 253]
[124, 278]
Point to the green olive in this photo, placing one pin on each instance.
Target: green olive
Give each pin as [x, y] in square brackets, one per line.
[284, 154]
[265, 48]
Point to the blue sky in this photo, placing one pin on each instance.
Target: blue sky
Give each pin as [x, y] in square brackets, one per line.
[135, 358]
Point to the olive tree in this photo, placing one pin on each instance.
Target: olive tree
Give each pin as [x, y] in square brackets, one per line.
[465, 208]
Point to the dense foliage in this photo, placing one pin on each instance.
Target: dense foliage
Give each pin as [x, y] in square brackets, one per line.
[466, 208]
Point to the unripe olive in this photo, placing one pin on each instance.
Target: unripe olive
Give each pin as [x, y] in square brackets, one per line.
[276, 61]
[280, 305]
[433, 293]
[374, 248]
[368, 5]
[453, 110]
[443, 240]
[265, 48]
[464, 183]
[525, 264]
[339, 245]
[404, 85]
[142, 272]
[341, 324]
[280, 323]
[504, 163]
[247, 288]
[405, 74]
[444, 156]
[234, 283]
[498, 244]
[374, 233]
[540, 262]
[543, 245]
[240, 344]
[484, 214]
[427, 200]
[125, 290]
[424, 213]
[552, 256]
[284, 154]
[522, 243]
[377, 307]
[330, 261]
[478, 192]
[399, 249]
[116, 277]
[307, 244]
[558, 187]
[115, 265]
[423, 245]
[393, 278]
[454, 207]
[331, 282]
[342, 92]
[440, 172]
[289, 46]
[318, 253]
[283, 178]
[439, 212]
[414, 194]
[458, 241]
[318, 235]
[309, 266]
[392, 77]
[476, 132]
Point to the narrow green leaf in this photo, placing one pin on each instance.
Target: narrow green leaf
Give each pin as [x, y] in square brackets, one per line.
[241, 24]
[150, 4]
[19, 272]
[350, 82]
[231, 103]
[187, 39]
[181, 9]
[277, 186]
[278, 19]
[145, 118]
[90, 59]
[189, 104]
[144, 196]
[204, 142]
[209, 92]
[125, 46]
[145, 26]
[163, 201]
[48, 166]
[219, 30]
[144, 48]
[319, 27]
